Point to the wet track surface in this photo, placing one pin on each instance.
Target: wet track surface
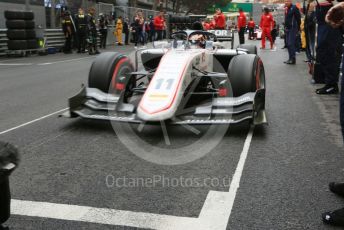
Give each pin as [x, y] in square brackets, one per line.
[283, 184]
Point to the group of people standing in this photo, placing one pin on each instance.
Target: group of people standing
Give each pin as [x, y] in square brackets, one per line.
[323, 25]
[142, 30]
[81, 31]
[148, 30]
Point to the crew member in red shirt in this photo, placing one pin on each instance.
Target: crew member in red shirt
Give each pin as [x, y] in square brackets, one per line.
[267, 23]
[251, 25]
[241, 26]
[220, 20]
[159, 22]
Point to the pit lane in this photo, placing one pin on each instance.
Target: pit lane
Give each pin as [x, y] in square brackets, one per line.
[68, 161]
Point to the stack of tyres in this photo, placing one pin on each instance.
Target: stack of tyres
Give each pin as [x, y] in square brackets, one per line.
[20, 30]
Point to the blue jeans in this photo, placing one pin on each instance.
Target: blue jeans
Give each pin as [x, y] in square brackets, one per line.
[291, 43]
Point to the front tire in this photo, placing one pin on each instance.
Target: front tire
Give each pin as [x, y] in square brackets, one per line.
[248, 79]
[106, 69]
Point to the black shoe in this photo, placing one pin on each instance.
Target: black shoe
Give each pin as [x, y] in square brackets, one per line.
[284, 47]
[290, 62]
[4, 228]
[328, 89]
[337, 188]
[334, 218]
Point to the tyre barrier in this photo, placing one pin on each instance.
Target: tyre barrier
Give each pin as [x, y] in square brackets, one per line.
[54, 39]
[13, 34]
[20, 24]
[22, 15]
[21, 34]
[17, 44]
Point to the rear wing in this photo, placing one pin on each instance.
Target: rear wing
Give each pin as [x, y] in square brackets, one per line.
[224, 36]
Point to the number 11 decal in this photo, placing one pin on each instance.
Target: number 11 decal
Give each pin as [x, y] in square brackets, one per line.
[161, 82]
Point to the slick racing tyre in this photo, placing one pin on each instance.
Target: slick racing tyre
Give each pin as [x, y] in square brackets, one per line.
[248, 79]
[106, 70]
[20, 24]
[252, 49]
[17, 44]
[19, 15]
[21, 34]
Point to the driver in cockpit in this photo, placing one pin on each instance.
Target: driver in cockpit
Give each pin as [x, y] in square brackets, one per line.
[198, 39]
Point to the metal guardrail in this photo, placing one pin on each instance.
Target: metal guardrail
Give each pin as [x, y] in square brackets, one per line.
[3, 42]
[54, 38]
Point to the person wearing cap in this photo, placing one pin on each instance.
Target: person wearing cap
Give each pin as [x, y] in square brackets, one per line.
[267, 24]
[241, 26]
[68, 31]
[220, 20]
[292, 27]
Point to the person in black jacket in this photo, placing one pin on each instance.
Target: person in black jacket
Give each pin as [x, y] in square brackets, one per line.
[81, 29]
[292, 28]
[92, 32]
[68, 31]
[126, 30]
[328, 51]
[310, 30]
[103, 30]
[335, 18]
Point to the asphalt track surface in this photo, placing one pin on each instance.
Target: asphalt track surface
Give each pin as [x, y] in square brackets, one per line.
[277, 180]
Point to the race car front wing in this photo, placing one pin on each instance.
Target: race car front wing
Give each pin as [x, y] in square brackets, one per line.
[92, 103]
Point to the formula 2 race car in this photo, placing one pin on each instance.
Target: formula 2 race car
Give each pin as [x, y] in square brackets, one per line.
[177, 84]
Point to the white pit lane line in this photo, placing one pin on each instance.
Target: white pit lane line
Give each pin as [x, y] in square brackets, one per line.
[5, 63]
[33, 121]
[16, 64]
[63, 61]
[214, 215]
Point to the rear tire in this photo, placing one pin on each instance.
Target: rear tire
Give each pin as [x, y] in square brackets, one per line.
[105, 70]
[248, 79]
[252, 49]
